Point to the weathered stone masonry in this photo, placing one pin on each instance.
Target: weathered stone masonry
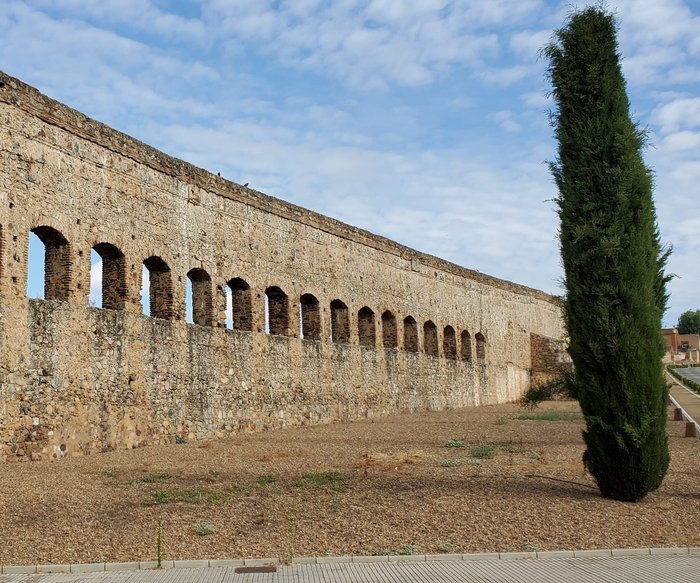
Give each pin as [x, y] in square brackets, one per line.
[358, 325]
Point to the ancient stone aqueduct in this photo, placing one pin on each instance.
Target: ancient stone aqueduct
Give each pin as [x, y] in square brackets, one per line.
[355, 325]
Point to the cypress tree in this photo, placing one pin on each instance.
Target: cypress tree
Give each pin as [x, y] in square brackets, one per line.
[613, 260]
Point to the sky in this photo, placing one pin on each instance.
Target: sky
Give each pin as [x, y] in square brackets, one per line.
[424, 121]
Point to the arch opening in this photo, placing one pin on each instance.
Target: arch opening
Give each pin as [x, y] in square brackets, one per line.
[199, 298]
[480, 346]
[276, 312]
[239, 304]
[108, 289]
[310, 326]
[340, 322]
[157, 289]
[366, 330]
[55, 268]
[410, 334]
[430, 338]
[466, 346]
[449, 343]
[389, 332]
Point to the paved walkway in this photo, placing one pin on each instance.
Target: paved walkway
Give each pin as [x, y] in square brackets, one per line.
[686, 399]
[629, 569]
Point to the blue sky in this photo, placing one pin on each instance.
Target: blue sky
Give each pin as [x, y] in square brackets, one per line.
[424, 121]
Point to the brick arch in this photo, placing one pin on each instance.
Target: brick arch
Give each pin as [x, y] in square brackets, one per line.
[277, 312]
[310, 317]
[160, 291]
[449, 343]
[430, 338]
[366, 330]
[340, 322]
[410, 334]
[58, 263]
[202, 297]
[115, 292]
[241, 304]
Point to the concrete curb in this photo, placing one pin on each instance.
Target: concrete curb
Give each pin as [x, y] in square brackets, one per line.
[286, 561]
[678, 405]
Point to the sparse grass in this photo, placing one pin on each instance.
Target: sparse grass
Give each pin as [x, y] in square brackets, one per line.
[334, 480]
[204, 528]
[550, 416]
[151, 478]
[191, 496]
[503, 420]
[453, 443]
[264, 480]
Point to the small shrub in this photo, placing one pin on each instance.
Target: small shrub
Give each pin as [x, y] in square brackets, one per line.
[450, 463]
[180, 439]
[443, 547]
[264, 480]
[454, 443]
[410, 549]
[204, 528]
[161, 497]
[483, 450]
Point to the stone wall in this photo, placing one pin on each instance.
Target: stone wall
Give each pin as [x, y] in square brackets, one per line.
[329, 321]
[548, 359]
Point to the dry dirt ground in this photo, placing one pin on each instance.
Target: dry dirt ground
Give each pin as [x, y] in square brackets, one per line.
[372, 487]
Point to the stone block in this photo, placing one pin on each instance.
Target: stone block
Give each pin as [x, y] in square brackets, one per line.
[87, 567]
[593, 553]
[53, 568]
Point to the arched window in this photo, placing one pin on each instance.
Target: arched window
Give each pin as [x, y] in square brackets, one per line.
[157, 289]
[449, 343]
[430, 338]
[108, 277]
[480, 346]
[410, 334]
[466, 346]
[340, 322]
[276, 311]
[366, 331]
[57, 265]
[310, 317]
[199, 297]
[240, 303]
[389, 334]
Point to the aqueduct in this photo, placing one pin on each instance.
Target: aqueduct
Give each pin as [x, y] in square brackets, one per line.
[296, 317]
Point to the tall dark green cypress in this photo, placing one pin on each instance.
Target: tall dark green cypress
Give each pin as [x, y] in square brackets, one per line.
[613, 260]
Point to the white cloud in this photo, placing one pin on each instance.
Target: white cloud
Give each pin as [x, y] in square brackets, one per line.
[681, 113]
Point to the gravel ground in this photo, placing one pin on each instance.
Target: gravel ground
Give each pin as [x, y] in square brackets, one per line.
[372, 487]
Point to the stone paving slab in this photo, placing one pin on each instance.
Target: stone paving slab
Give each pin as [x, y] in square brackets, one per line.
[648, 568]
